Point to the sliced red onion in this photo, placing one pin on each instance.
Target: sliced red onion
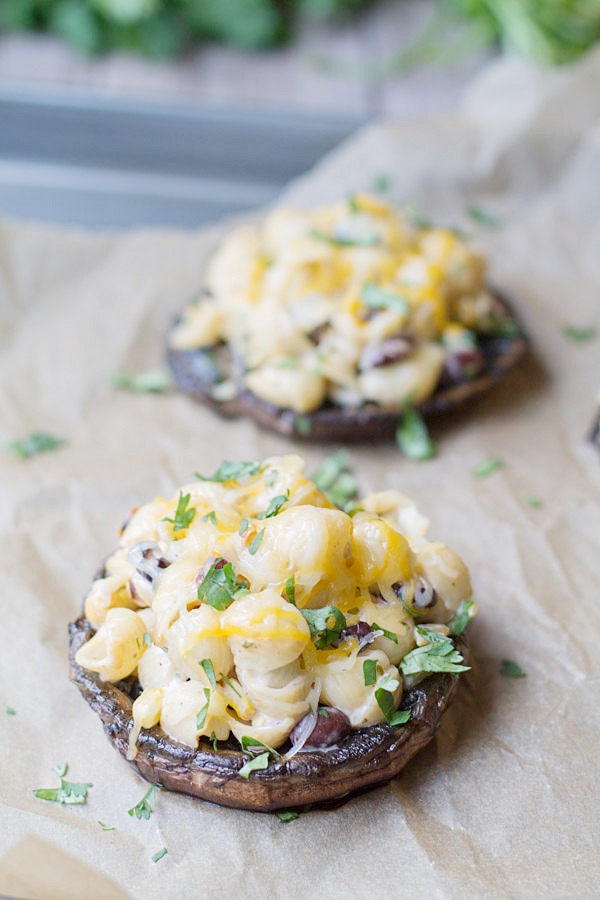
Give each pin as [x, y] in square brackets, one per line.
[305, 727]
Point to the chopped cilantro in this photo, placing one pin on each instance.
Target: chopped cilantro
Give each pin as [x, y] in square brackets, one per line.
[487, 467]
[483, 217]
[387, 634]
[325, 625]
[579, 335]
[68, 792]
[375, 297]
[232, 471]
[214, 741]
[253, 765]
[183, 516]
[10, 711]
[256, 542]
[370, 671]
[381, 184]
[152, 381]
[367, 240]
[353, 204]
[61, 769]
[302, 425]
[219, 586]
[145, 808]
[35, 443]
[229, 684]
[209, 672]
[249, 742]
[385, 701]
[243, 526]
[287, 815]
[274, 506]
[210, 517]
[334, 480]
[290, 589]
[201, 717]
[417, 219]
[106, 827]
[461, 618]
[438, 655]
[159, 854]
[323, 712]
[412, 436]
[511, 669]
[534, 502]
[147, 639]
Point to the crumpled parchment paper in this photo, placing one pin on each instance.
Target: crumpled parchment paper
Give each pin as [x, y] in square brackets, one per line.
[504, 802]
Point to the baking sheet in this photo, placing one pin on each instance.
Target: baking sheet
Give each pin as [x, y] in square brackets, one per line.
[504, 802]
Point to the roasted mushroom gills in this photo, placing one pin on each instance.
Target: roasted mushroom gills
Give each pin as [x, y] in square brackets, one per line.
[349, 308]
[248, 627]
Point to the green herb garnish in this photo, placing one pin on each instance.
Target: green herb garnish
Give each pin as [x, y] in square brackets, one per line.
[147, 639]
[274, 506]
[375, 297]
[209, 671]
[151, 382]
[287, 815]
[201, 717]
[290, 589]
[483, 217]
[367, 240]
[183, 516]
[249, 742]
[69, 792]
[106, 827]
[253, 765]
[145, 808]
[302, 425]
[214, 741]
[438, 655]
[370, 671]
[325, 625]
[38, 442]
[385, 701]
[511, 669]
[487, 467]
[353, 204]
[61, 769]
[381, 184]
[579, 335]
[159, 854]
[335, 481]
[10, 711]
[412, 436]
[210, 517]
[387, 634]
[219, 586]
[256, 542]
[232, 471]
[229, 683]
[461, 617]
[323, 712]
[534, 502]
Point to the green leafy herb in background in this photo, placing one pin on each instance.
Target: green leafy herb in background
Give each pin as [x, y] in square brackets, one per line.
[413, 438]
[38, 442]
[151, 382]
[487, 467]
[333, 478]
[74, 792]
[145, 808]
[550, 31]
[511, 669]
[183, 516]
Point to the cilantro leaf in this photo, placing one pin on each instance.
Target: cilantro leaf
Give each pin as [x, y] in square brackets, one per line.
[145, 808]
[461, 618]
[218, 586]
[290, 589]
[375, 297]
[381, 184]
[61, 769]
[487, 467]
[439, 655]
[201, 717]
[579, 335]
[511, 669]
[38, 442]
[335, 481]
[367, 240]
[385, 701]
[302, 424]
[209, 672]
[210, 517]
[215, 742]
[325, 625]
[159, 854]
[232, 471]
[287, 815]
[229, 684]
[274, 506]
[147, 639]
[256, 542]
[483, 217]
[68, 792]
[253, 765]
[10, 711]
[106, 827]
[413, 437]
[387, 634]
[534, 502]
[183, 516]
[153, 381]
[370, 671]
[248, 742]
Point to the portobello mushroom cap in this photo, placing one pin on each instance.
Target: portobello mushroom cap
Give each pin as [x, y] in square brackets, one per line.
[197, 371]
[366, 758]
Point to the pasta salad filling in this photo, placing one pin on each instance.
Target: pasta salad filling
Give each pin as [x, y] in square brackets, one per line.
[248, 605]
[348, 304]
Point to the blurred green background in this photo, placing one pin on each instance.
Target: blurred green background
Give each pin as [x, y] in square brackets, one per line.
[552, 32]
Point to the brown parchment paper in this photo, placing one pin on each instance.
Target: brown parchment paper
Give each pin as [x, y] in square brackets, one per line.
[504, 803]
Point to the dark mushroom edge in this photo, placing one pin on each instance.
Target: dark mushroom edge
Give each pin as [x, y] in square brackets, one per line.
[364, 759]
[196, 372]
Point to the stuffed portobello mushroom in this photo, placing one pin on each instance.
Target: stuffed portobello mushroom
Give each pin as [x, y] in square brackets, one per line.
[251, 644]
[326, 324]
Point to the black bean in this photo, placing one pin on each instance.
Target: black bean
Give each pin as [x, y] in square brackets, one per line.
[359, 630]
[332, 726]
